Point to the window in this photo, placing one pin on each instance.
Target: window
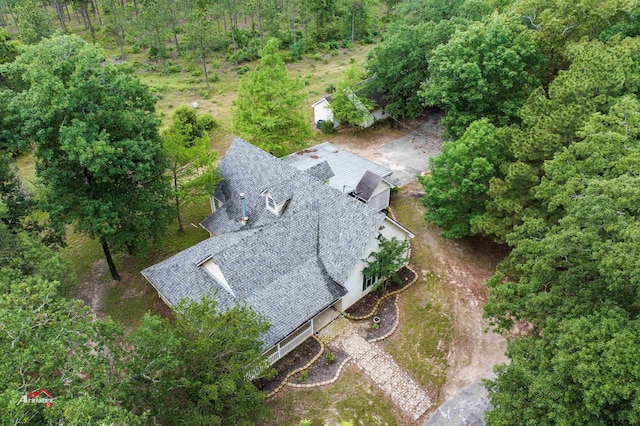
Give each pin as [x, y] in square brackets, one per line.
[270, 203]
[368, 282]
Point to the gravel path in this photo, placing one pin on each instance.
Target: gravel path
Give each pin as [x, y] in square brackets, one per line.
[405, 393]
[380, 367]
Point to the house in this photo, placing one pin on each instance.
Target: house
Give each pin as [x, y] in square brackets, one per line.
[282, 242]
[322, 109]
[350, 173]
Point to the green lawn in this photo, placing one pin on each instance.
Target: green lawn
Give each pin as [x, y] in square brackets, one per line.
[352, 397]
[422, 341]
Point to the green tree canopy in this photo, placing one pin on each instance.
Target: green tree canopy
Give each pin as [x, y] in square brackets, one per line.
[400, 63]
[268, 110]
[197, 367]
[192, 164]
[455, 192]
[598, 76]
[487, 71]
[384, 263]
[580, 371]
[98, 152]
[350, 104]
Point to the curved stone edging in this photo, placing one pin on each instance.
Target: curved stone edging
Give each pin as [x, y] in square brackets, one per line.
[326, 382]
[383, 298]
[297, 370]
[395, 325]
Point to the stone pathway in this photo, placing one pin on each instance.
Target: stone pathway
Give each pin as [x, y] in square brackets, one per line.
[378, 365]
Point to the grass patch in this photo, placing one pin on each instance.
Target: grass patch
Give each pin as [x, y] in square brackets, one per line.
[128, 301]
[351, 398]
[422, 342]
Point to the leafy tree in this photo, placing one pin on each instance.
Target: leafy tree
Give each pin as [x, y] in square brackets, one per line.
[197, 367]
[116, 21]
[591, 257]
[49, 341]
[33, 21]
[417, 11]
[154, 27]
[456, 190]
[98, 153]
[199, 32]
[399, 65]
[598, 76]
[487, 71]
[383, 265]
[10, 142]
[556, 24]
[609, 147]
[186, 144]
[579, 371]
[268, 110]
[350, 104]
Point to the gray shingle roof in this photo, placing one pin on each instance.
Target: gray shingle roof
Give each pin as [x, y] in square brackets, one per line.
[287, 267]
[321, 171]
[348, 168]
[368, 184]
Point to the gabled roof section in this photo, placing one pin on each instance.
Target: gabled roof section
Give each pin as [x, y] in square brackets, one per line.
[321, 171]
[367, 185]
[288, 267]
[348, 168]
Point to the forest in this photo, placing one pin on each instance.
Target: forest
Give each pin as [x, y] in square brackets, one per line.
[542, 154]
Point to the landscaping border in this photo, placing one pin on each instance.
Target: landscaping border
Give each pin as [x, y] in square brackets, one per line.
[326, 382]
[386, 296]
[297, 370]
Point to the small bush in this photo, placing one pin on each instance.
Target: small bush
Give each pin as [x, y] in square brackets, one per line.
[173, 68]
[213, 77]
[205, 94]
[243, 70]
[303, 376]
[331, 88]
[306, 82]
[326, 127]
[197, 72]
[316, 56]
[329, 357]
[207, 122]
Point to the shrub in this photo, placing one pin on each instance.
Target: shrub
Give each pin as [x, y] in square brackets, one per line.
[331, 88]
[329, 357]
[303, 376]
[326, 127]
[207, 122]
[243, 70]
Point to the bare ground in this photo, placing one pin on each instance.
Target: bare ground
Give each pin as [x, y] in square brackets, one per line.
[93, 289]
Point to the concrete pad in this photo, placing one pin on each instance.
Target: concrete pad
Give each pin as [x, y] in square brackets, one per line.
[408, 156]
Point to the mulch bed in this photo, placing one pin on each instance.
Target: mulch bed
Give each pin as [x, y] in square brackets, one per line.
[366, 304]
[299, 357]
[387, 313]
[321, 371]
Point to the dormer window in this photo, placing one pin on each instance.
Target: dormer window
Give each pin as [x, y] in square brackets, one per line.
[275, 200]
[271, 205]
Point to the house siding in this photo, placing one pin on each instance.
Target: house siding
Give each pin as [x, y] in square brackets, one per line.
[354, 282]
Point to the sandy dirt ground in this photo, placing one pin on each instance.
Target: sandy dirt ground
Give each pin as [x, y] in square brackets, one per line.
[462, 265]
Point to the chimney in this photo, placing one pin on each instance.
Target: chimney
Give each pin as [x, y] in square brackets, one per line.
[243, 203]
